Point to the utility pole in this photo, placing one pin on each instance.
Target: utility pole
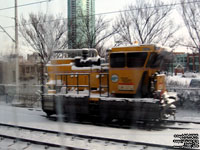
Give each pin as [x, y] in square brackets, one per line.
[16, 49]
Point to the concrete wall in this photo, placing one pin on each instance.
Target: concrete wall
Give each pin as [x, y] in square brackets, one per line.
[28, 95]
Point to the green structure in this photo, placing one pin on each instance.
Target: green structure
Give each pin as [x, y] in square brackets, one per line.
[81, 19]
[179, 60]
[193, 62]
[189, 62]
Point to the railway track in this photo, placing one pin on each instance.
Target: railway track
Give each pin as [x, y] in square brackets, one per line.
[31, 135]
[25, 143]
[146, 126]
[181, 121]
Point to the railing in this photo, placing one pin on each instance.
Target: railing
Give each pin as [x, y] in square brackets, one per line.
[77, 81]
[186, 93]
[77, 75]
[105, 86]
[182, 88]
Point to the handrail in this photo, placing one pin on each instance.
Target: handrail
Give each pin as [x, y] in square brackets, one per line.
[77, 79]
[100, 84]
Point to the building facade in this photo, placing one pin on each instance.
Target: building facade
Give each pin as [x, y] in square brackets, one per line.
[81, 14]
[8, 69]
[193, 61]
[29, 69]
[188, 62]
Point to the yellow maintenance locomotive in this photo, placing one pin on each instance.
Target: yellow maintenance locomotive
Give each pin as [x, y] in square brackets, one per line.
[128, 86]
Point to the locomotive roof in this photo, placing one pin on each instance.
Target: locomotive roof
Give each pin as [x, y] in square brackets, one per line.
[73, 50]
[72, 53]
[142, 47]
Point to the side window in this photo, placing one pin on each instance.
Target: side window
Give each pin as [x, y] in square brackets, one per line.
[136, 59]
[154, 60]
[117, 60]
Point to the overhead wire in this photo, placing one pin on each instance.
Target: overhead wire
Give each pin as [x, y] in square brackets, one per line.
[27, 4]
[107, 13]
[44, 1]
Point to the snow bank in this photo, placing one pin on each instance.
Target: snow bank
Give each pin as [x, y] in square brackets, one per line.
[180, 84]
[181, 80]
[177, 81]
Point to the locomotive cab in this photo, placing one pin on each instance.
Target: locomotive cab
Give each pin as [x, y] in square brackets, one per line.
[133, 69]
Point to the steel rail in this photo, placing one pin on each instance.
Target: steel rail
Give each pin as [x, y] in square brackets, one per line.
[40, 143]
[181, 121]
[151, 126]
[121, 141]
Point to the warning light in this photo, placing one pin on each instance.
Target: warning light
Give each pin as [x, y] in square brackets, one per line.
[135, 42]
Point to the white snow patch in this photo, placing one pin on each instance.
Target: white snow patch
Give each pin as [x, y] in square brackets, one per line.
[58, 65]
[86, 68]
[53, 82]
[177, 81]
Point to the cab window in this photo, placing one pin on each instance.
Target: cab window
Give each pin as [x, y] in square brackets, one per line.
[154, 61]
[117, 60]
[136, 59]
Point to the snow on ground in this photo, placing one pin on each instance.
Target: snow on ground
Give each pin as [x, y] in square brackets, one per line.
[180, 80]
[180, 84]
[188, 114]
[34, 117]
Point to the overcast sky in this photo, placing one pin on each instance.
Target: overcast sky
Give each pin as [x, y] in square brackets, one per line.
[52, 7]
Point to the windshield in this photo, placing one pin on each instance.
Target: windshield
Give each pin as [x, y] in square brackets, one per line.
[117, 60]
[136, 59]
[131, 60]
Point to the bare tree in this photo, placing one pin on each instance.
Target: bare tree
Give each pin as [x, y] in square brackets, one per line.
[44, 33]
[190, 11]
[146, 22]
[92, 33]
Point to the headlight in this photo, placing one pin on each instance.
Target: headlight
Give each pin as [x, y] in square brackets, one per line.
[114, 78]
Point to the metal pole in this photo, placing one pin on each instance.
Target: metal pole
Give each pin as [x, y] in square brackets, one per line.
[66, 84]
[89, 89]
[16, 49]
[100, 84]
[77, 83]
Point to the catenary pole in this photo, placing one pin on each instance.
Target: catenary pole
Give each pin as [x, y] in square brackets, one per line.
[16, 49]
